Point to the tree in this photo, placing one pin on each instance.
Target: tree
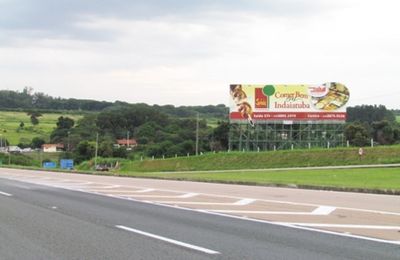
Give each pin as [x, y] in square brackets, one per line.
[34, 117]
[21, 125]
[84, 151]
[106, 148]
[37, 142]
[357, 134]
[383, 132]
[120, 152]
[369, 114]
[220, 137]
[65, 123]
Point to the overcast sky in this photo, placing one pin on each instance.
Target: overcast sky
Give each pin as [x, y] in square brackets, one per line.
[187, 52]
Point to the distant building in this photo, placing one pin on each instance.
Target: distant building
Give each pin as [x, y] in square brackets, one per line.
[14, 149]
[52, 148]
[128, 143]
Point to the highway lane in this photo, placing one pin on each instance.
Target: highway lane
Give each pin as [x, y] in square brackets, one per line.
[41, 222]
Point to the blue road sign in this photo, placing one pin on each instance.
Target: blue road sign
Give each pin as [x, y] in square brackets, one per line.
[49, 165]
[67, 164]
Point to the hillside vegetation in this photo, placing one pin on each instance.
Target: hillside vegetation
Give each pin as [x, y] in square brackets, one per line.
[10, 126]
[263, 160]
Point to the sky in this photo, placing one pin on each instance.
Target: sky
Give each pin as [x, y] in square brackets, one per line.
[187, 52]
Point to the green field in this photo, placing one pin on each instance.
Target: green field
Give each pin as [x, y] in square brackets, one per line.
[10, 121]
[398, 119]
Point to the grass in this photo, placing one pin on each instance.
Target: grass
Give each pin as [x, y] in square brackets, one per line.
[398, 119]
[265, 160]
[370, 178]
[10, 121]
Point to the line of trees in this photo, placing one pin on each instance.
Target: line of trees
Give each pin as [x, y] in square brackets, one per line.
[37, 102]
[368, 122]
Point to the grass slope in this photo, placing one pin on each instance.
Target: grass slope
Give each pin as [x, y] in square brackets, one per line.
[10, 121]
[264, 160]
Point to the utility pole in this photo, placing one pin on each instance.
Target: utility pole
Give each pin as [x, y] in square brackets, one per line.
[95, 153]
[68, 142]
[197, 134]
[127, 139]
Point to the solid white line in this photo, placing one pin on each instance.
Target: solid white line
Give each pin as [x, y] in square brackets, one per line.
[104, 187]
[244, 202]
[323, 210]
[143, 196]
[196, 203]
[169, 240]
[188, 195]
[145, 190]
[5, 194]
[261, 212]
[344, 226]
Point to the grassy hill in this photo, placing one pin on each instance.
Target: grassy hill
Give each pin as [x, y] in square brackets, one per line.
[10, 121]
[235, 165]
[264, 160]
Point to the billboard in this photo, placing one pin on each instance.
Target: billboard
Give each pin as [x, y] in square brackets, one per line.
[261, 103]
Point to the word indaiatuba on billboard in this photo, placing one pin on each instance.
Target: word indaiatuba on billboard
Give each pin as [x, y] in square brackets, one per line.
[253, 103]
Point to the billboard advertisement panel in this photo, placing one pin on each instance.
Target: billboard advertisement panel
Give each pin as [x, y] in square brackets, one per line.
[260, 103]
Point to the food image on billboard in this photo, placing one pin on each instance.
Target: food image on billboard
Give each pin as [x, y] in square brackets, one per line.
[257, 103]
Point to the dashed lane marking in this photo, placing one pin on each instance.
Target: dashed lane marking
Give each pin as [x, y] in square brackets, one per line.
[5, 194]
[169, 240]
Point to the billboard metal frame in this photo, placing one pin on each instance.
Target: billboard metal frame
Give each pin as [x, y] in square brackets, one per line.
[280, 135]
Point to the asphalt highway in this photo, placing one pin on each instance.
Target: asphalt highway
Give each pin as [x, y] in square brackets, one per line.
[42, 222]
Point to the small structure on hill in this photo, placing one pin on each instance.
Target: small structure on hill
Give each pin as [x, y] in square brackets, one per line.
[52, 148]
[128, 143]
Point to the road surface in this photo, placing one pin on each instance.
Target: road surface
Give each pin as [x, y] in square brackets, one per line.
[63, 219]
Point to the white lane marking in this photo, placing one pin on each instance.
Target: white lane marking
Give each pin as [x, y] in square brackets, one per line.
[145, 190]
[196, 203]
[188, 195]
[343, 226]
[323, 210]
[261, 212]
[142, 196]
[244, 202]
[101, 188]
[320, 211]
[169, 240]
[5, 194]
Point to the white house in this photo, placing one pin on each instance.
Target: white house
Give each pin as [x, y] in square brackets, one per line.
[52, 148]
